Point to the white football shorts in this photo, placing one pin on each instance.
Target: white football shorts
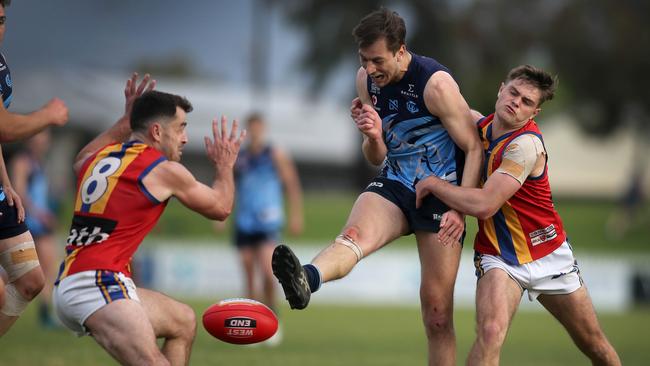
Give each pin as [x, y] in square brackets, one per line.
[78, 296]
[555, 274]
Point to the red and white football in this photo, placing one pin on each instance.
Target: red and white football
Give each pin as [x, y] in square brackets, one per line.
[240, 321]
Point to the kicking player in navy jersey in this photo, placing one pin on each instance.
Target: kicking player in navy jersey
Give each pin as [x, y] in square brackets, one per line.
[416, 123]
[21, 277]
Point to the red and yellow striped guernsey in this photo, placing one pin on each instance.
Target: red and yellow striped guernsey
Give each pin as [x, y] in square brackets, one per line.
[113, 210]
[526, 227]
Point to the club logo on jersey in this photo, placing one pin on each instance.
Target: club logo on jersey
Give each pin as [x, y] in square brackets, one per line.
[86, 230]
[410, 92]
[392, 104]
[541, 236]
[412, 107]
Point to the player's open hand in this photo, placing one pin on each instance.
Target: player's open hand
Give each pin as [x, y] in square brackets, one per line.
[452, 226]
[368, 122]
[56, 111]
[224, 146]
[133, 90]
[13, 199]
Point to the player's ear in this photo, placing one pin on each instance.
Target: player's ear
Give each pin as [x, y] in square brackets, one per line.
[500, 89]
[537, 110]
[155, 129]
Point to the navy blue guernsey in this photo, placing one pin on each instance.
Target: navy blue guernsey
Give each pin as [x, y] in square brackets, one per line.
[7, 93]
[5, 82]
[418, 144]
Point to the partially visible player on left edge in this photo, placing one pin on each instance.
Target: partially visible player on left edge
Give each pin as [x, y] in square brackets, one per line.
[125, 177]
[21, 277]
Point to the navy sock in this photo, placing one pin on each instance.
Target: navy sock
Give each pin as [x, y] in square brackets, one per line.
[313, 277]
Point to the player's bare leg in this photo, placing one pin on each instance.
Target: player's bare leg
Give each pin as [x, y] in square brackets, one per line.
[123, 329]
[373, 222]
[173, 321]
[439, 266]
[24, 288]
[247, 260]
[47, 255]
[263, 258]
[497, 300]
[576, 313]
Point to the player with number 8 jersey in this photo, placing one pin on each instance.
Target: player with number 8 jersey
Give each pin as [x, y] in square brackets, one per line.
[106, 230]
[125, 177]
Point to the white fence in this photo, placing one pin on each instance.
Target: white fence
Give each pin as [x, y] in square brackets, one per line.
[390, 276]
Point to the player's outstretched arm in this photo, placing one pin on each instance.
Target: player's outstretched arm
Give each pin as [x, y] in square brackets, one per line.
[14, 126]
[443, 99]
[173, 179]
[121, 130]
[478, 202]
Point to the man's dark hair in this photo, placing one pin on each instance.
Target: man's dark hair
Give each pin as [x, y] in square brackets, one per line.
[5, 3]
[542, 80]
[381, 23]
[254, 117]
[154, 105]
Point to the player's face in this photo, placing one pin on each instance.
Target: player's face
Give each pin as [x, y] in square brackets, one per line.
[255, 130]
[380, 63]
[174, 136]
[2, 23]
[517, 102]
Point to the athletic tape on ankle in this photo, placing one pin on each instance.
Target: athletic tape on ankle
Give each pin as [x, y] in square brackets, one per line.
[15, 303]
[19, 260]
[348, 242]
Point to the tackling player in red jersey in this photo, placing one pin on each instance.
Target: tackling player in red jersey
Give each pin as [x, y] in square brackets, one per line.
[521, 244]
[126, 175]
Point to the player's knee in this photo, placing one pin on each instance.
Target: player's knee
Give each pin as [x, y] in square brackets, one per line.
[350, 238]
[597, 348]
[352, 232]
[491, 333]
[186, 322]
[437, 320]
[31, 285]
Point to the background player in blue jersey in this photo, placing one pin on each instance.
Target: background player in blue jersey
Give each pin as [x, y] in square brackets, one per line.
[413, 118]
[21, 277]
[263, 174]
[32, 184]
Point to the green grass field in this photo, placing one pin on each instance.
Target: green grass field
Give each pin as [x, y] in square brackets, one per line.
[358, 335]
[334, 335]
[326, 213]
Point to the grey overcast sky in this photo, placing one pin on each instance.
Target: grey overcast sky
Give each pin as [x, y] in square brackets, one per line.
[116, 35]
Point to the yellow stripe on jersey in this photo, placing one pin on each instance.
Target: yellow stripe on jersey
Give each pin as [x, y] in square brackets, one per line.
[517, 234]
[126, 158]
[67, 262]
[490, 232]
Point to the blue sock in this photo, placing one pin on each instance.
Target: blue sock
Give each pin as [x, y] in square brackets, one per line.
[313, 277]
